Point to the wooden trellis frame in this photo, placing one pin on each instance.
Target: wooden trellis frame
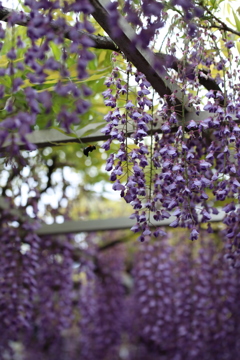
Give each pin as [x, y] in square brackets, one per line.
[52, 137]
[120, 223]
[144, 61]
[86, 226]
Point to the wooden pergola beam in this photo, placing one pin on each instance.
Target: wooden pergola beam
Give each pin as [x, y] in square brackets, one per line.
[86, 226]
[53, 137]
[142, 59]
[119, 223]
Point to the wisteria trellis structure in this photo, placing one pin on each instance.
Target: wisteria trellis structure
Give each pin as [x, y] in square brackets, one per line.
[190, 161]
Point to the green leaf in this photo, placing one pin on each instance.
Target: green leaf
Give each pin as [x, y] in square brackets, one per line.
[230, 22]
[56, 50]
[237, 21]
[238, 46]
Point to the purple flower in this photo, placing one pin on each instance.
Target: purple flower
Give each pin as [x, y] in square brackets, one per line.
[174, 224]
[204, 165]
[236, 129]
[147, 117]
[121, 154]
[12, 54]
[51, 64]
[210, 107]
[114, 134]
[137, 170]
[192, 125]
[136, 115]
[136, 204]
[142, 217]
[194, 234]
[140, 133]
[118, 186]
[45, 99]
[190, 156]
[229, 44]
[17, 82]
[165, 214]
[109, 166]
[172, 204]
[143, 161]
[229, 207]
[106, 145]
[136, 228]
[129, 197]
[157, 216]
[2, 89]
[20, 43]
[2, 32]
[166, 127]
[107, 93]
[129, 105]
[192, 30]
[147, 231]
[177, 212]
[159, 232]
[111, 102]
[210, 94]
[206, 216]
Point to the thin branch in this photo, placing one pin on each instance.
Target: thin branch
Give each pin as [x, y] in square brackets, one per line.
[174, 62]
[51, 169]
[141, 59]
[100, 42]
[106, 43]
[223, 26]
[220, 27]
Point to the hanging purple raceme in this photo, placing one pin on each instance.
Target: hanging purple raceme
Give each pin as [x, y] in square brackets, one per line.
[175, 167]
[18, 277]
[150, 18]
[184, 304]
[101, 307]
[53, 304]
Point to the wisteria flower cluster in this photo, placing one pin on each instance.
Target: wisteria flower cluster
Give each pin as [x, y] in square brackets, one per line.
[26, 100]
[60, 302]
[177, 167]
[36, 288]
[184, 302]
[101, 305]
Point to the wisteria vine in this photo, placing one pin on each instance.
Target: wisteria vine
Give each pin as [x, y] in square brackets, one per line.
[169, 300]
[177, 167]
[58, 300]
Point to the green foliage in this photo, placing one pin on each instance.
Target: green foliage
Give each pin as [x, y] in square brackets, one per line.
[237, 21]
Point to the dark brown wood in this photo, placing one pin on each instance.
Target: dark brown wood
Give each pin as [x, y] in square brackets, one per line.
[142, 59]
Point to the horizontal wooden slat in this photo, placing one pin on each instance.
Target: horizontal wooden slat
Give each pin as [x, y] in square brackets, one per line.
[52, 137]
[74, 227]
[120, 223]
